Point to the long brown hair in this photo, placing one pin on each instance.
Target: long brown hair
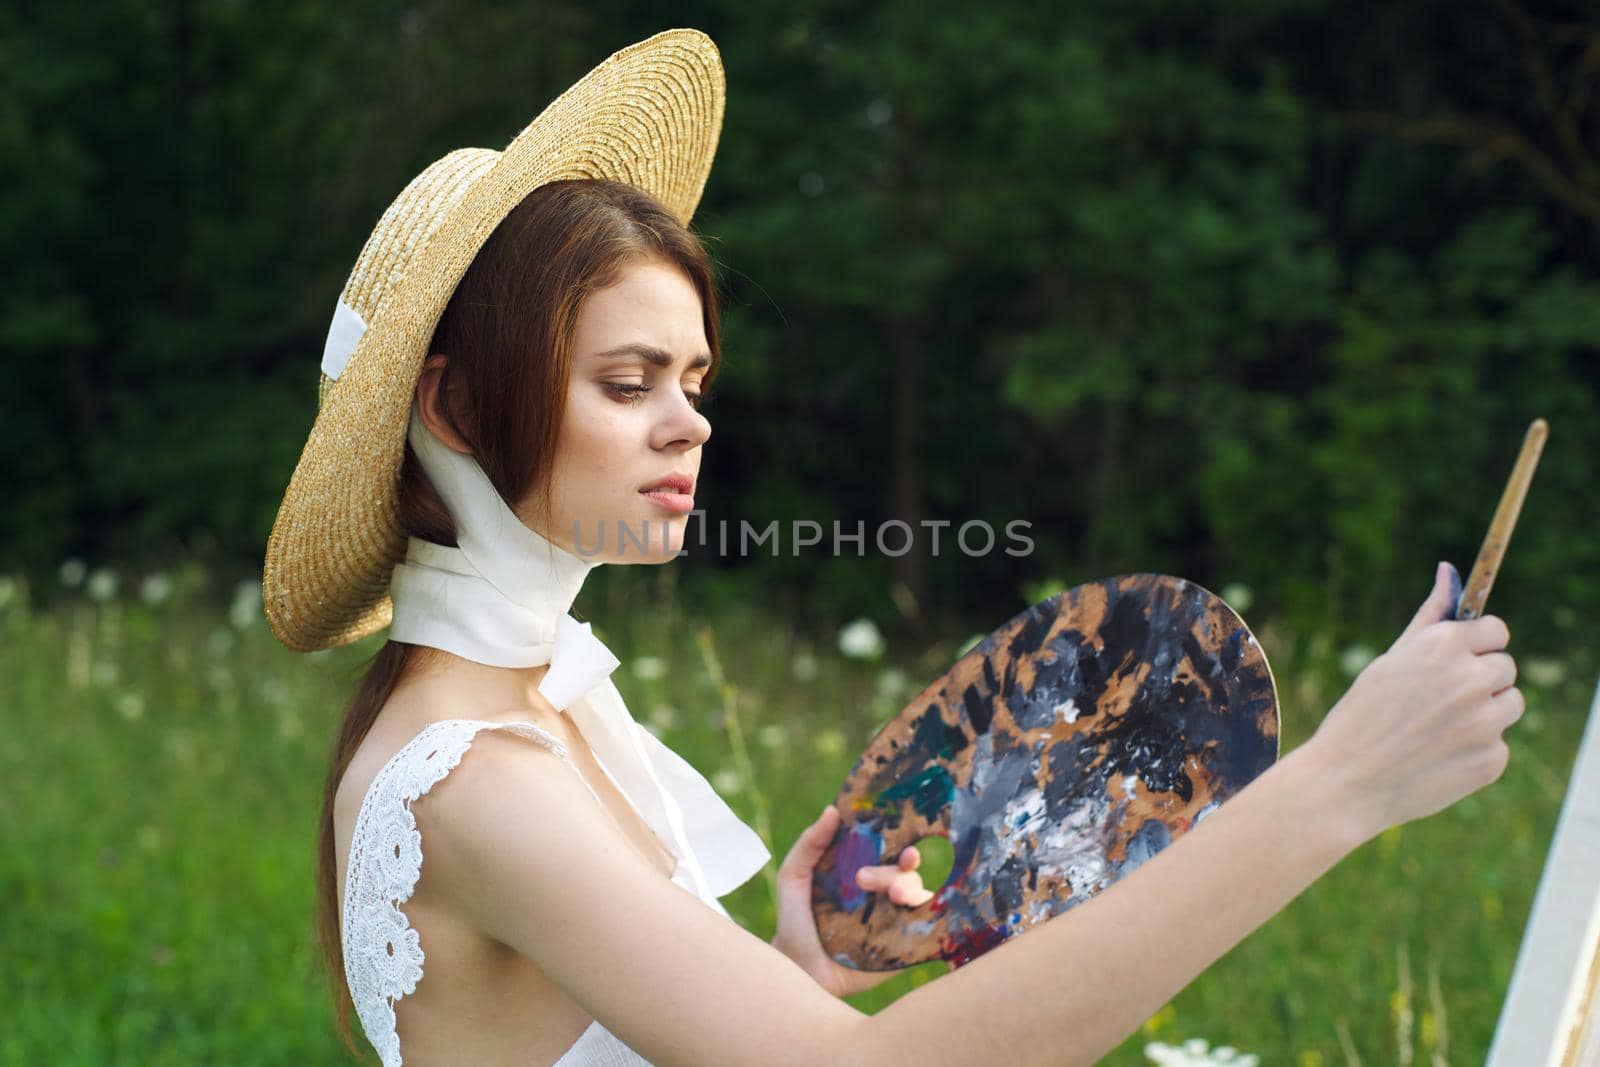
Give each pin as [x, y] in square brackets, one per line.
[507, 331]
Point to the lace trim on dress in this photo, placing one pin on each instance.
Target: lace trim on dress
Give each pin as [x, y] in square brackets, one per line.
[382, 952]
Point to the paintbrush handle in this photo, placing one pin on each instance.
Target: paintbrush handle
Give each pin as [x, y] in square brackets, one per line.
[1476, 593]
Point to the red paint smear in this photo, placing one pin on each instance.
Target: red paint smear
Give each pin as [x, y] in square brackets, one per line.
[970, 944]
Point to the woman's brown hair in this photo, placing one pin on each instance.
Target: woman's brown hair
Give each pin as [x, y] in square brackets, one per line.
[507, 332]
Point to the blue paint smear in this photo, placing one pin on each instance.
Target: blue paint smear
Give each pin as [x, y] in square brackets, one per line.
[930, 793]
[1151, 838]
[861, 847]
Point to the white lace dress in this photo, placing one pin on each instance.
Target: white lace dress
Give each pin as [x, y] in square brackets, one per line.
[383, 955]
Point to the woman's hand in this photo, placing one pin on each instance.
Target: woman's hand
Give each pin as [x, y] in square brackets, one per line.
[1420, 727]
[797, 927]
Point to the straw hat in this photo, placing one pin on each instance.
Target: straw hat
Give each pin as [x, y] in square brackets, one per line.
[649, 115]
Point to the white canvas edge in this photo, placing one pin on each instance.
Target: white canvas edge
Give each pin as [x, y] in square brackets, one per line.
[1543, 1009]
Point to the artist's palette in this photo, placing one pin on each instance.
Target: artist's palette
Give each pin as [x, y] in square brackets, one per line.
[1069, 746]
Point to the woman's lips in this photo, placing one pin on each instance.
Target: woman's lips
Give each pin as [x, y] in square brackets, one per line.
[672, 500]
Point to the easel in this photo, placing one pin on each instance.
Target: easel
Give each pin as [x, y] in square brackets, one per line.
[1551, 1014]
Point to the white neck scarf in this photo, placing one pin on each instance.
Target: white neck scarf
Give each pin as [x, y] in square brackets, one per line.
[501, 599]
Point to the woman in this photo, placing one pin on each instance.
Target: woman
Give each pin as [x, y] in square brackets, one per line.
[510, 398]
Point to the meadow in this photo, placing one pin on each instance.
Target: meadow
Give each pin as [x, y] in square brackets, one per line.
[163, 757]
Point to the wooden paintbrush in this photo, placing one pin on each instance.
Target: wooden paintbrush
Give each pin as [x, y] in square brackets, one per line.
[1476, 592]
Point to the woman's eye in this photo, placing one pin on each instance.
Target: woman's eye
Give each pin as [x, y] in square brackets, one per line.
[632, 393]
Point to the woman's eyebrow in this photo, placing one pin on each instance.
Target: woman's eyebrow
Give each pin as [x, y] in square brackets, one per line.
[659, 356]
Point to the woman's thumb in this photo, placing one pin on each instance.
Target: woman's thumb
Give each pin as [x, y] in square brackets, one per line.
[826, 821]
[1441, 602]
[813, 840]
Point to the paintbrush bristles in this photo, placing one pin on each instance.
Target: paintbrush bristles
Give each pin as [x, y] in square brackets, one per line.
[1476, 593]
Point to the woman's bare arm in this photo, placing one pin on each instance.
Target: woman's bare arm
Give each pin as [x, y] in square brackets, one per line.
[514, 838]
[521, 846]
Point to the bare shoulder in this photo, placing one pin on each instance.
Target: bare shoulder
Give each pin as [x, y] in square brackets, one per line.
[412, 711]
[509, 783]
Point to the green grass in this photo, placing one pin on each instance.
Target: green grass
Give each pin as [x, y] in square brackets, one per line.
[161, 766]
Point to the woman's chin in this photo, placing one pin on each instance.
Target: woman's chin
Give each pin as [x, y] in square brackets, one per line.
[655, 552]
[657, 536]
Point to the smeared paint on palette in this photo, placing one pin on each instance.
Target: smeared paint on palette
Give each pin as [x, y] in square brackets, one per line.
[1069, 746]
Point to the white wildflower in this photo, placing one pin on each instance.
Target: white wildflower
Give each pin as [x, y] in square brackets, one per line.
[725, 780]
[182, 748]
[1167, 1055]
[1354, 659]
[72, 573]
[102, 585]
[273, 691]
[649, 668]
[245, 608]
[893, 684]
[1545, 672]
[828, 742]
[156, 589]
[662, 717]
[220, 643]
[860, 639]
[130, 706]
[804, 665]
[1238, 596]
[772, 735]
[1196, 1052]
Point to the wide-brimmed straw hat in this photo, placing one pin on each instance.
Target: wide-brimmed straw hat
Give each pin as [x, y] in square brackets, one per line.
[649, 115]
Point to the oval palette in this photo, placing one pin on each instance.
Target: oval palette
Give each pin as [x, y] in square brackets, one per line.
[1057, 755]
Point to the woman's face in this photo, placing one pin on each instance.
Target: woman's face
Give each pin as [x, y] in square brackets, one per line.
[631, 420]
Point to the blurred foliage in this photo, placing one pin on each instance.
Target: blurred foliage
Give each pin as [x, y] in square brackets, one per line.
[1258, 291]
[167, 755]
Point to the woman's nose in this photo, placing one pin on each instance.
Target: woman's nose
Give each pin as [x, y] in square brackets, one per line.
[683, 422]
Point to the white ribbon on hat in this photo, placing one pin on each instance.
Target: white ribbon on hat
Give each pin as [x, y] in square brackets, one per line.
[343, 333]
[501, 598]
